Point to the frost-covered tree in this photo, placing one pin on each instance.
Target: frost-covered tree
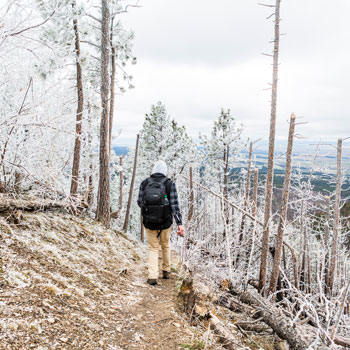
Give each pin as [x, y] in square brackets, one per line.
[162, 138]
[73, 34]
[220, 151]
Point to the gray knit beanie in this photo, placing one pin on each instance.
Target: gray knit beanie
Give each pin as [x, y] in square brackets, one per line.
[160, 167]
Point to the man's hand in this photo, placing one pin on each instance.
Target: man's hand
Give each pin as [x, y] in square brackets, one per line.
[180, 230]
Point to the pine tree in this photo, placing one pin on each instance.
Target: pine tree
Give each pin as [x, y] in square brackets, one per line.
[162, 138]
[219, 150]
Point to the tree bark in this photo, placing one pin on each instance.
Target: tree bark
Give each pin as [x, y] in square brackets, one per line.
[111, 105]
[326, 245]
[199, 311]
[252, 226]
[121, 183]
[103, 202]
[127, 214]
[336, 217]
[79, 115]
[269, 179]
[190, 210]
[90, 197]
[274, 317]
[142, 228]
[279, 242]
[247, 189]
[226, 208]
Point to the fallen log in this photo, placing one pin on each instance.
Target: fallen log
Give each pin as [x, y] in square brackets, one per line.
[10, 205]
[231, 304]
[251, 327]
[345, 342]
[225, 337]
[274, 317]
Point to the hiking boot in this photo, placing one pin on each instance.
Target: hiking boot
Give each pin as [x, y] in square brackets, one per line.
[166, 275]
[152, 282]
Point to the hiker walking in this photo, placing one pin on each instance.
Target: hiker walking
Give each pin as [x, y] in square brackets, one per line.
[159, 203]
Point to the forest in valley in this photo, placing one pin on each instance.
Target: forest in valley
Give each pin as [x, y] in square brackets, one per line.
[275, 230]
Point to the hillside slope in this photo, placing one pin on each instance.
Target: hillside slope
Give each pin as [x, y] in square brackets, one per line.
[68, 283]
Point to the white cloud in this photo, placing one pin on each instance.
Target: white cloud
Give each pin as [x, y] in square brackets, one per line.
[199, 56]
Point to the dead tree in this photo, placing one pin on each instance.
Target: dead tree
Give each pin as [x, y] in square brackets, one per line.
[103, 201]
[142, 228]
[226, 208]
[121, 183]
[111, 102]
[279, 241]
[336, 218]
[190, 210]
[247, 190]
[253, 225]
[269, 178]
[326, 244]
[127, 214]
[90, 196]
[304, 233]
[79, 115]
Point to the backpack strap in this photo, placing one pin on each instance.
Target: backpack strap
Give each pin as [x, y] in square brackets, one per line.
[168, 184]
[150, 180]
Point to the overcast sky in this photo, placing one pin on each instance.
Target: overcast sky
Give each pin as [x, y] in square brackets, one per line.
[198, 56]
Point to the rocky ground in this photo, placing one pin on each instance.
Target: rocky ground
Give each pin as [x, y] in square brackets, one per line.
[67, 283]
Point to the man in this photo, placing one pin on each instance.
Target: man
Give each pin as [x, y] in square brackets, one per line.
[158, 217]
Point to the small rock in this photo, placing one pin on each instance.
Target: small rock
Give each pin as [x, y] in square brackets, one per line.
[51, 320]
[137, 337]
[13, 326]
[95, 327]
[176, 325]
[63, 339]
[119, 329]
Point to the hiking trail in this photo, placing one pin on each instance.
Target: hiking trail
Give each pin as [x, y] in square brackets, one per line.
[68, 283]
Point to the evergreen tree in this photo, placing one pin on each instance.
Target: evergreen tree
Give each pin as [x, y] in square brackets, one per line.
[162, 138]
[219, 151]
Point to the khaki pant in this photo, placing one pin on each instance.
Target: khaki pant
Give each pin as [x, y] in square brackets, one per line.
[153, 248]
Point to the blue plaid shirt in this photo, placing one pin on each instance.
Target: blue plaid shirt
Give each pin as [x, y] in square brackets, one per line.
[173, 201]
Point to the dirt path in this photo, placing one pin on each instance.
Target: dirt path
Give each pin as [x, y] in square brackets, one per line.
[66, 283]
[151, 318]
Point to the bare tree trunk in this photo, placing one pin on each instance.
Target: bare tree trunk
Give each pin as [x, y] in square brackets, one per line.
[103, 202]
[126, 222]
[142, 229]
[255, 192]
[336, 217]
[247, 189]
[225, 206]
[269, 179]
[121, 183]
[18, 180]
[79, 115]
[190, 211]
[279, 241]
[326, 245]
[253, 225]
[90, 197]
[303, 272]
[308, 269]
[111, 102]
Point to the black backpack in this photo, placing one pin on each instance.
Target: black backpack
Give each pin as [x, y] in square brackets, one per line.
[155, 204]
